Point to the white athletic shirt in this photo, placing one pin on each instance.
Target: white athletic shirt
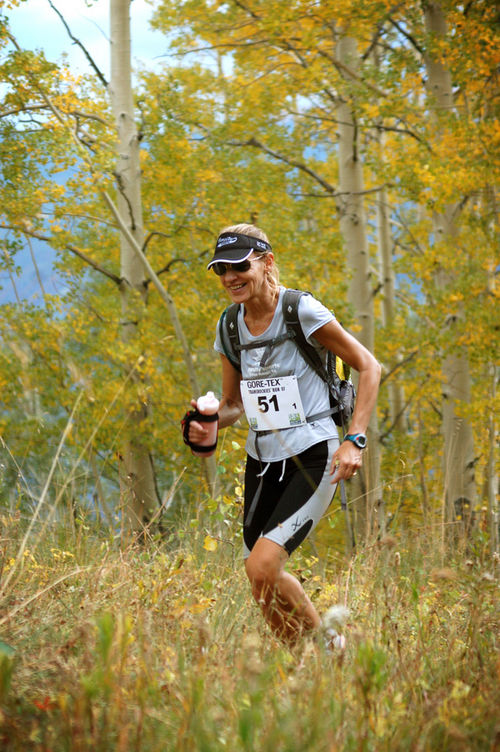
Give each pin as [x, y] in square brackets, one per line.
[285, 360]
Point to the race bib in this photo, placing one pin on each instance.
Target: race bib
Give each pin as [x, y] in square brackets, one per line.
[271, 404]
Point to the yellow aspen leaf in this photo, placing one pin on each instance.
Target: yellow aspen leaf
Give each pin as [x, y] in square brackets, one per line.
[210, 544]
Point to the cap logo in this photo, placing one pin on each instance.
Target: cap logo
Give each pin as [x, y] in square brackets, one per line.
[227, 241]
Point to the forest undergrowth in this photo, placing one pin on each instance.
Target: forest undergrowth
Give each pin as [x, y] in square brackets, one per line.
[159, 647]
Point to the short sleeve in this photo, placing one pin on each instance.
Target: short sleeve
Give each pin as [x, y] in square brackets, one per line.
[218, 341]
[313, 315]
[222, 343]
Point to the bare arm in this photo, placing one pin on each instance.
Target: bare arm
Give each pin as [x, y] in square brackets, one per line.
[230, 407]
[348, 457]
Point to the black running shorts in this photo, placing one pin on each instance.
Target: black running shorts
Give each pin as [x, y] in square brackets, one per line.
[295, 494]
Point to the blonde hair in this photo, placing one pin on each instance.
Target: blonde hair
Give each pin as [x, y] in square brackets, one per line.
[255, 232]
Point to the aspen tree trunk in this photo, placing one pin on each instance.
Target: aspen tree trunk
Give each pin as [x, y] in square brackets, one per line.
[140, 498]
[360, 291]
[459, 458]
[385, 246]
[491, 474]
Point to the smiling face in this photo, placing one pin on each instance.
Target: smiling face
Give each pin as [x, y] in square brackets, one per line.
[249, 285]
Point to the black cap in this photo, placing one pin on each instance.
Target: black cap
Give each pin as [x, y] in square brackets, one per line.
[231, 247]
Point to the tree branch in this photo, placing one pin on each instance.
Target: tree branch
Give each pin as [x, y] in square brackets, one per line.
[338, 194]
[88, 116]
[69, 247]
[90, 217]
[343, 68]
[405, 132]
[153, 234]
[123, 192]
[435, 408]
[168, 266]
[292, 162]
[407, 36]
[223, 45]
[79, 44]
[379, 30]
[37, 270]
[398, 365]
[400, 414]
[114, 277]
[23, 108]
[11, 277]
[250, 12]
[369, 126]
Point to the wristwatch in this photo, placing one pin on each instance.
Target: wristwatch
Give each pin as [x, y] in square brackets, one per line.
[358, 439]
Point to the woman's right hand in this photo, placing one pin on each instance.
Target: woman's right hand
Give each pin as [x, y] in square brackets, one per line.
[197, 432]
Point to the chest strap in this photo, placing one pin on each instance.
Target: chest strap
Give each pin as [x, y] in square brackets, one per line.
[263, 342]
[268, 344]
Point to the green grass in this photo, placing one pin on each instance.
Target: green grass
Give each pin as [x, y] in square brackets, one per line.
[160, 648]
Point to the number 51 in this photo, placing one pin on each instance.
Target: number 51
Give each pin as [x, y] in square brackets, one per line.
[266, 402]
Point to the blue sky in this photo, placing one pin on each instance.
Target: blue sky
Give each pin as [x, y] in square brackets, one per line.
[35, 26]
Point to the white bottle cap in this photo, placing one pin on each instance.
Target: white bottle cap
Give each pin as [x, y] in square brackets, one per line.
[208, 403]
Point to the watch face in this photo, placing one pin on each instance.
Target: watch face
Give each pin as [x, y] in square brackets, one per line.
[358, 439]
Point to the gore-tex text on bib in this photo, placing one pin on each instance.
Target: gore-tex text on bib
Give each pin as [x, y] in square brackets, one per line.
[271, 404]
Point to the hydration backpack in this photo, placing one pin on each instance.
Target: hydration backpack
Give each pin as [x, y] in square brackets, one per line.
[335, 374]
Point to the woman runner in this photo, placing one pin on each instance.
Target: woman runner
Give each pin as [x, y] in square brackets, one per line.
[291, 471]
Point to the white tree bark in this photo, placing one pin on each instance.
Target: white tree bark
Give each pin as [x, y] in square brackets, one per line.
[459, 457]
[360, 290]
[491, 474]
[137, 480]
[140, 497]
[385, 247]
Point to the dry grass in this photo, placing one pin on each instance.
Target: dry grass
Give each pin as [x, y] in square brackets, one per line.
[160, 648]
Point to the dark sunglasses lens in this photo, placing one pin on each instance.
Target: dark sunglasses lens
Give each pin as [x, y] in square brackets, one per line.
[243, 266]
[221, 268]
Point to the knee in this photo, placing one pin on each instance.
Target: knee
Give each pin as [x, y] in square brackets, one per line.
[263, 573]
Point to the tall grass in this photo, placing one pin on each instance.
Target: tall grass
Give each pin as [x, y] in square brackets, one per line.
[159, 647]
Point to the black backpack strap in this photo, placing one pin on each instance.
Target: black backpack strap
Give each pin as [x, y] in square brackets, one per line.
[230, 338]
[291, 315]
[228, 328]
[328, 374]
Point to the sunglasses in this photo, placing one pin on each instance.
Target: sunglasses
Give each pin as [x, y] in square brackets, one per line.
[221, 268]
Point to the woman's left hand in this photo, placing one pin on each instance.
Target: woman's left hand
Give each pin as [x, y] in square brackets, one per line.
[345, 461]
